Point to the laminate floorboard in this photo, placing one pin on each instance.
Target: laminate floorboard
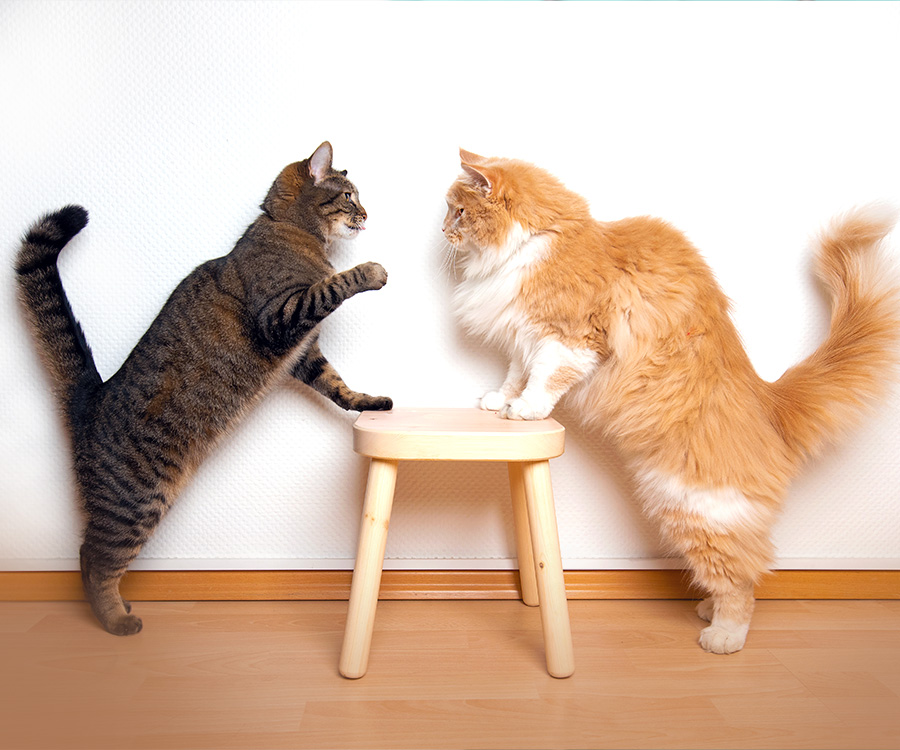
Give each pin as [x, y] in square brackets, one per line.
[447, 674]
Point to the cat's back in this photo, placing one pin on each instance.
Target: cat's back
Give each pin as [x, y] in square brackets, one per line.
[640, 279]
[208, 327]
[635, 258]
[197, 342]
[650, 244]
[653, 261]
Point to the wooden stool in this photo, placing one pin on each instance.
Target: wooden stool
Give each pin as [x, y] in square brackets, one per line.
[462, 435]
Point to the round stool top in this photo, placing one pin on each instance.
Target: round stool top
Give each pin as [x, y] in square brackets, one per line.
[455, 435]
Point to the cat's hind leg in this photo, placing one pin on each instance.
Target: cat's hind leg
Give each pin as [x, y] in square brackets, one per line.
[730, 620]
[100, 578]
[727, 565]
[116, 531]
[724, 538]
[705, 609]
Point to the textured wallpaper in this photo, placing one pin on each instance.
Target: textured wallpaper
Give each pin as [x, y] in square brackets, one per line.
[169, 121]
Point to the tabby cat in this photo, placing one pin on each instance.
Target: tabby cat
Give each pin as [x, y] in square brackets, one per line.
[626, 318]
[230, 331]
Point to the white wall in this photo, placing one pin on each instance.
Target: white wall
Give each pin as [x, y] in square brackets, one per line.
[747, 125]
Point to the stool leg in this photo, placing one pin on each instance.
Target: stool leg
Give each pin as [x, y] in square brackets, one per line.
[548, 569]
[367, 570]
[524, 551]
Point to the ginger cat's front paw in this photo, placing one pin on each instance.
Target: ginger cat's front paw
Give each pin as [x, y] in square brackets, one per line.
[493, 401]
[520, 408]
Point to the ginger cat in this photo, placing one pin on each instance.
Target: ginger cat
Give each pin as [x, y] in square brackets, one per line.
[626, 318]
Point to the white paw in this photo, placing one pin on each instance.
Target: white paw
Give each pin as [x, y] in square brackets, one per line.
[493, 401]
[705, 610]
[719, 640]
[519, 408]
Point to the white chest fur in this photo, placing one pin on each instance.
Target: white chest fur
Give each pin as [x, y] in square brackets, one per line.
[487, 299]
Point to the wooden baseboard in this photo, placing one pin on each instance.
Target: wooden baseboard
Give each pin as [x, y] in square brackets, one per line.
[238, 585]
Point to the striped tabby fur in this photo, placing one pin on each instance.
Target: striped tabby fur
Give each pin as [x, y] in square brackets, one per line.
[231, 330]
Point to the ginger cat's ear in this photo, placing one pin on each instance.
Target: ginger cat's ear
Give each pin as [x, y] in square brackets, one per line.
[320, 162]
[467, 157]
[480, 177]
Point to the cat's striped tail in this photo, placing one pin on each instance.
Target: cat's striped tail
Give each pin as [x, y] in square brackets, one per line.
[61, 340]
[817, 399]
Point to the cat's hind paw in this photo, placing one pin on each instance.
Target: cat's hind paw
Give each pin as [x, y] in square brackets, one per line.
[720, 640]
[705, 609]
[124, 625]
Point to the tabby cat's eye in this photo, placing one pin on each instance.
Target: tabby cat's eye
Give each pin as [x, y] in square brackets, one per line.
[348, 196]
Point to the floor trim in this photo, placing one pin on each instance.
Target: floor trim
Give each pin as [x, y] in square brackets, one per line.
[229, 585]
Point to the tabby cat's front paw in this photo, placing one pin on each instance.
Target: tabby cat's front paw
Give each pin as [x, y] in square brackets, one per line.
[366, 402]
[374, 275]
[520, 408]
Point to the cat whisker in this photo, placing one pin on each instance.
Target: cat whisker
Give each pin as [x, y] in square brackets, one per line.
[448, 252]
[450, 257]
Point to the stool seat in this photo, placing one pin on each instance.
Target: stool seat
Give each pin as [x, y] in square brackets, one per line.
[455, 435]
[462, 435]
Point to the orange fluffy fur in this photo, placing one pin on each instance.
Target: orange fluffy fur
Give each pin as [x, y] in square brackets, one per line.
[627, 319]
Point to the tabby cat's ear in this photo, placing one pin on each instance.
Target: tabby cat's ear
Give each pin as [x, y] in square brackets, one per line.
[320, 162]
[481, 179]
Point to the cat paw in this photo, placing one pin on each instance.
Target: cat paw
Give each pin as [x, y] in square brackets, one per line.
[373, 403]
[374, 275]
[493, 401]
[705, 610]
[519, 408]
[718, 640]
[126, 625]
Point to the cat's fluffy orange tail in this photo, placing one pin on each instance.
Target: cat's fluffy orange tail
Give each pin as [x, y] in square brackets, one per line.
[814, 401]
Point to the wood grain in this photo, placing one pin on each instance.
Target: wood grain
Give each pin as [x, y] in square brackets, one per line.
[366, 581]
[447, 674]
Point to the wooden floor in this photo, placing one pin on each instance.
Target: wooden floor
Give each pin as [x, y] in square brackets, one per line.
[448, 674]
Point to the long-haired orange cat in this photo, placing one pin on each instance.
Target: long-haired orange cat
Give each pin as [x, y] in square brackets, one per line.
[626, 318]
